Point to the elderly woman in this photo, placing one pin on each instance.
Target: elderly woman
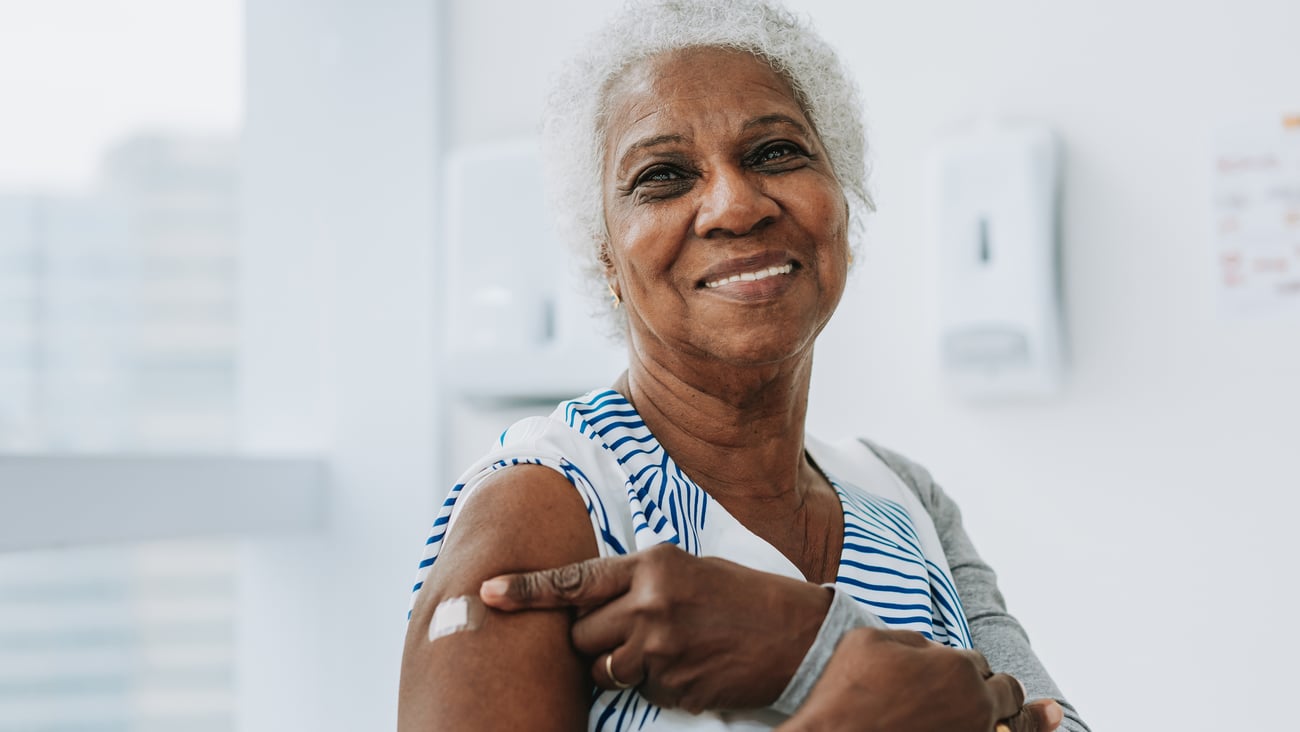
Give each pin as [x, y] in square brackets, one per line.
[714, 559]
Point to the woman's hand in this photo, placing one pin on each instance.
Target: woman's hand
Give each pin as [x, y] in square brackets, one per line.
[689, 632]
[705, 633]
[1042, 715]
[899, 681]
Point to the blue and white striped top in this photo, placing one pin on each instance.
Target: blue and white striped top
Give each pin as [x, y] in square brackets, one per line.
[637, 497]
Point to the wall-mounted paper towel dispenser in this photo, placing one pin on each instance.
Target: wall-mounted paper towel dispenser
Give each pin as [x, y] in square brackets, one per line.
[995, 193]
[518, 326]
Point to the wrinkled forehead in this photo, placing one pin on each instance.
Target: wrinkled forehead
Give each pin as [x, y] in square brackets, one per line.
[690, 78]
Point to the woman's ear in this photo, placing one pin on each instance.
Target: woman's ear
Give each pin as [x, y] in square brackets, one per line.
[606, 260]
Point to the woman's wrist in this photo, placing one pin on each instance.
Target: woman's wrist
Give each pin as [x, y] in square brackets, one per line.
[844, 615]
[795, 610]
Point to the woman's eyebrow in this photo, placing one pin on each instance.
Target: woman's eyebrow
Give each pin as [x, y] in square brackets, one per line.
[776, 119]
[648, 142]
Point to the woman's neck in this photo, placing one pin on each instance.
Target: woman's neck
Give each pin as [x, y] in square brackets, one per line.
[737, 432]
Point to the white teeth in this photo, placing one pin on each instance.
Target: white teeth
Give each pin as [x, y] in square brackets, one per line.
[751, 276]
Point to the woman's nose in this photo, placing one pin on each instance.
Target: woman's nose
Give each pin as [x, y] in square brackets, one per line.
[733, 205]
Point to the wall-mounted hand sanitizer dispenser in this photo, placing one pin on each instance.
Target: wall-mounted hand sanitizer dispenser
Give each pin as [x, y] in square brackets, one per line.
[995, 193]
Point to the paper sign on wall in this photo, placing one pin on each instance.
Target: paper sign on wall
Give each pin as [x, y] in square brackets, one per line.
[1256, 215]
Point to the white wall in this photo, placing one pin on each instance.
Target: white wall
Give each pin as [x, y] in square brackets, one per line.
[337, 347]
[1138, 519]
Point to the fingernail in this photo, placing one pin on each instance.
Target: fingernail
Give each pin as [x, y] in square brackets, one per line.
[494, 589]
[1023, 693]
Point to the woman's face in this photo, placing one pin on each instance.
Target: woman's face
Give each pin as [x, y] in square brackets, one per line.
[727, 227]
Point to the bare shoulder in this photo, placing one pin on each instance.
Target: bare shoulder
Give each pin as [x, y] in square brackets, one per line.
[517, 670]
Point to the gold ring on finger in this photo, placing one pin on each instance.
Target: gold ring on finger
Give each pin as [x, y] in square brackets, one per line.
[609, 671]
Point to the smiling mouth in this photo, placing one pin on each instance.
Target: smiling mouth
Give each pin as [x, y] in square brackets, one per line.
[761, 274]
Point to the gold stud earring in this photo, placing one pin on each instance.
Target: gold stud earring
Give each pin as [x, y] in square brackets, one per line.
[850, 257]
[614, 299]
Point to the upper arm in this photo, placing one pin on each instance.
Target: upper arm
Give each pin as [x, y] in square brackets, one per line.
[517, 670]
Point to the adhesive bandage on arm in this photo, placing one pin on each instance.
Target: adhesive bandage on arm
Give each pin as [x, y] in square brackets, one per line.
[455, 615]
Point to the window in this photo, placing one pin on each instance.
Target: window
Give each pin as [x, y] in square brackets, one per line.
[333, 353]
[117, 638]
[118, 240]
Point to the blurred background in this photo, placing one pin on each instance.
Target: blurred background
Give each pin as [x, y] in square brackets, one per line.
[240, 241]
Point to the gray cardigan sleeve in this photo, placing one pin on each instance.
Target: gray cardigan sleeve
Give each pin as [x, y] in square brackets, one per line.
[994, 631]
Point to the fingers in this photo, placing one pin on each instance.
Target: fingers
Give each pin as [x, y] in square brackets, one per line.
[1008, 695]
[583, 584]
[980, 663]
[1048, 713]
[606, 627]
[1043, 715]
[615, 675]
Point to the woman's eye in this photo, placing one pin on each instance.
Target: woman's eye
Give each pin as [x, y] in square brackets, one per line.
[778, 152]
[658, 174]
[660, 182]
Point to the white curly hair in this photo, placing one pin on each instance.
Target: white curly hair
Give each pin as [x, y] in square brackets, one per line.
[573, 133]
